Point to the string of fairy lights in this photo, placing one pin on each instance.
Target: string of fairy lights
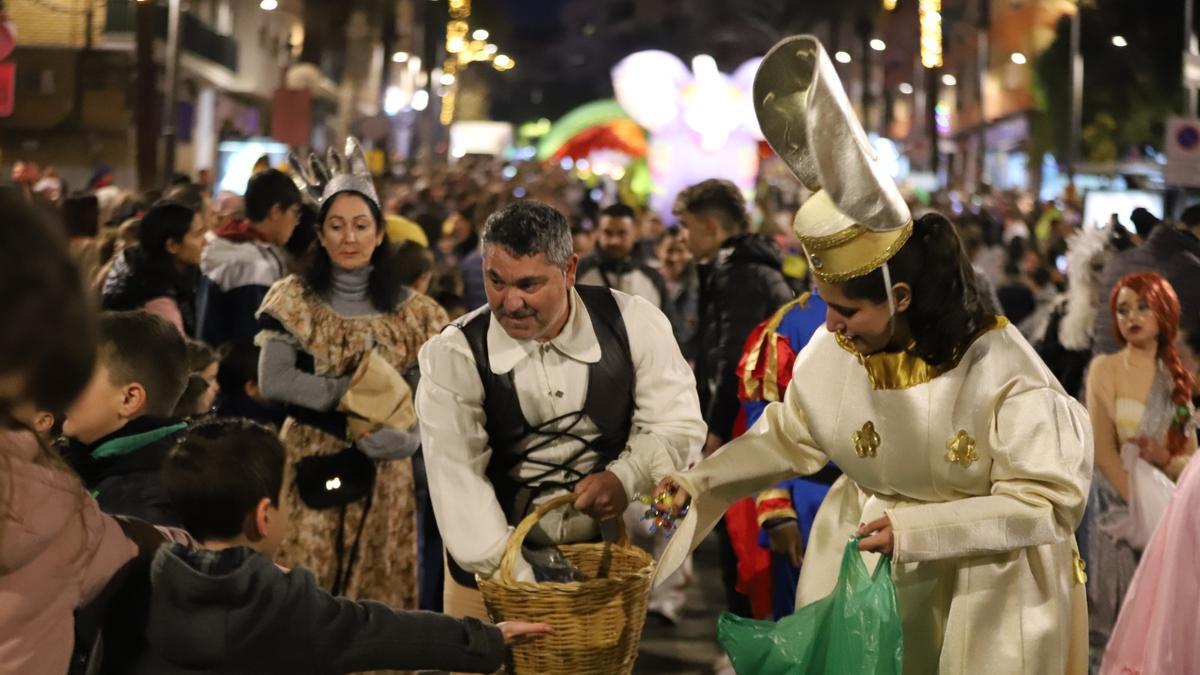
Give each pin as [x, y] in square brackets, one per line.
[465, 46]
[930, 18]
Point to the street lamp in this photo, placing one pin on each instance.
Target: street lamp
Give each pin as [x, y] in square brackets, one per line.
[949, 80]
[1076, 92]
[269, 5]
[930, 17]
[1018, 58]
[878, 45]
[1119, 41]
[842, 57]
[393, 101]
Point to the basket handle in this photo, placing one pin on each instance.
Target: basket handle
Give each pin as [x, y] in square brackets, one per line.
[512, 549]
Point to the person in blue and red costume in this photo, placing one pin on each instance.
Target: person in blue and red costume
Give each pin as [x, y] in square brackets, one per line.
[769, 532]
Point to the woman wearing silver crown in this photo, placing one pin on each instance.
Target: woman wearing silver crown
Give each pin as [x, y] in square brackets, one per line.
[964, 459]
[335, 343]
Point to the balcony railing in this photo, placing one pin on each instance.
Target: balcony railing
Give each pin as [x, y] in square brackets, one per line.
[195, 37]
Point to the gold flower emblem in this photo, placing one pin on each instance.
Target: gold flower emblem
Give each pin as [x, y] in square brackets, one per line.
[1080, 568]
[866, 441]
[961, 449]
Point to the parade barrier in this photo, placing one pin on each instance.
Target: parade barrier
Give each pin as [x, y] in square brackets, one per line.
[597, 622]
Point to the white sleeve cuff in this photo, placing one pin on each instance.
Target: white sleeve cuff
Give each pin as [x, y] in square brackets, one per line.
[631, 479]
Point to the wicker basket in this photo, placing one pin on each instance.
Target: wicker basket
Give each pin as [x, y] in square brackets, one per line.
[597, 623]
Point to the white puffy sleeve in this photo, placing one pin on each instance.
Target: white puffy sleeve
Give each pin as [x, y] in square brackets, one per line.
[1041, 442]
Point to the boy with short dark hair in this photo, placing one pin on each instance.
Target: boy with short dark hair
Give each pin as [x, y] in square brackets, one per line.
[224, 607]
[244, 258]
[237, 379]
[120, 429]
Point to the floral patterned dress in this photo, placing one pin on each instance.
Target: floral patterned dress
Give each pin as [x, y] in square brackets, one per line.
[386, 566]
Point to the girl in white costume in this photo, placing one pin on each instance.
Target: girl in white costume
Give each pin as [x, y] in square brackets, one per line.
[964, 459]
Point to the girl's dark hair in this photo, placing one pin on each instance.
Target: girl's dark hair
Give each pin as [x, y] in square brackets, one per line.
[200, 355]
[385, 284]
[413, 260]
[946, 311]
[81, 215]
[49, 334]
[239, 365]
[165, 221]
[1016, 249]
[189, 401]
[305, 233]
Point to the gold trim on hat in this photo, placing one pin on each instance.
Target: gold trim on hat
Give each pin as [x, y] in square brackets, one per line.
[832, 240]
[852, 252]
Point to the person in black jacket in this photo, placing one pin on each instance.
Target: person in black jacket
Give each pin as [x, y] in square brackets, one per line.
[1173, 252]
[119, 430]
[741, 284]
[225, 607]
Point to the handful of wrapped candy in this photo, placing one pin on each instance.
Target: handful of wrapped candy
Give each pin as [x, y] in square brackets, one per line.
[660, 513]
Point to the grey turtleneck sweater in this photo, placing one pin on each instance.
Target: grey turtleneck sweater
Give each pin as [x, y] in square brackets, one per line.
[280, 380]
[347, 293]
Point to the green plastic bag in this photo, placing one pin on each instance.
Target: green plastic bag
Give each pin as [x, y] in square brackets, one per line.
[854, 630]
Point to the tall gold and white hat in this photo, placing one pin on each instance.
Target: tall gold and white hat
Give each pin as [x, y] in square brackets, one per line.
[856, 220]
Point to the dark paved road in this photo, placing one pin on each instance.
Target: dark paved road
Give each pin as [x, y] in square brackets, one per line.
[691, 647]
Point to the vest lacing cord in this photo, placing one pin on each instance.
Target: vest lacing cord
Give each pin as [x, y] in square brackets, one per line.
[549, 437]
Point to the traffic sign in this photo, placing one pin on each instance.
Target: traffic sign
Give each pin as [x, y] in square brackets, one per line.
[1183, 152]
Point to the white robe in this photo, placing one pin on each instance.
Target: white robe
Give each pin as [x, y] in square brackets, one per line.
[985, 562]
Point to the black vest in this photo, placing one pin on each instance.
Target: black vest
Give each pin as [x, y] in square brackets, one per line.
[608, 404]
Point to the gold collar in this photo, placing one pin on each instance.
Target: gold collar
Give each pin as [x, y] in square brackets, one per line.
[902, 370]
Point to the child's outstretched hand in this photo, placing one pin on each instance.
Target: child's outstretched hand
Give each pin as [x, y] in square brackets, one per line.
[514, 631]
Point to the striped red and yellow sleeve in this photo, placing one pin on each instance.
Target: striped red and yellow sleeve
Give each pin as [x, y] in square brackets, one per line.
[774, 504]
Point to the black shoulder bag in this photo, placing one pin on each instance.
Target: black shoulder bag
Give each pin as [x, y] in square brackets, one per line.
[336, 481]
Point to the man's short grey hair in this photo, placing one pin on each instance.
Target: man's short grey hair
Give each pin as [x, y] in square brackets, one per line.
[529, 227]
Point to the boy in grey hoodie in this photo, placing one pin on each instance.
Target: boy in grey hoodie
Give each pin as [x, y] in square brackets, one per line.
[226, 608]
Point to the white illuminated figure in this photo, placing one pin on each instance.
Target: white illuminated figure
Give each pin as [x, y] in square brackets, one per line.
[701, 121]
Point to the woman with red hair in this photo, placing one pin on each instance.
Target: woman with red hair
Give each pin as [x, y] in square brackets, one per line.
[1139, 401]
[1157, 630]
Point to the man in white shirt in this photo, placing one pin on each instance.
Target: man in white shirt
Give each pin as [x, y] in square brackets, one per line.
[547, 389]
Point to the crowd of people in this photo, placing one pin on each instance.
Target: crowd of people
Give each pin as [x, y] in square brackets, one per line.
[291, 429]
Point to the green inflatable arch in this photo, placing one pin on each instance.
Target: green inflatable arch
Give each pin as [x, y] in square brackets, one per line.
[578, 120]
